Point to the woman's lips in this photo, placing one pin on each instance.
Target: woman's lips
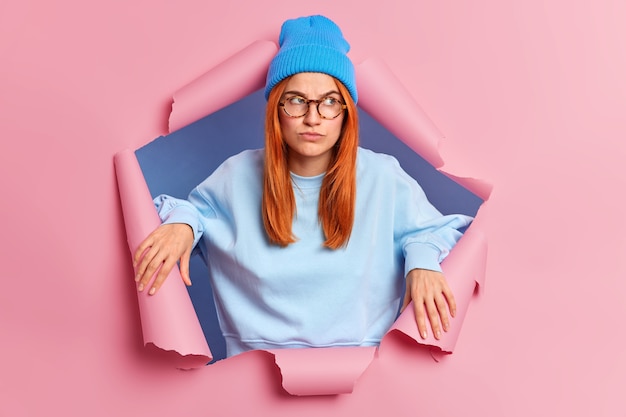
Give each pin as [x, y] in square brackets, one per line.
[310, 135]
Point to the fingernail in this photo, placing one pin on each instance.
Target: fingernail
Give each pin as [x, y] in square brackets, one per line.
[152, 291]
[424, 335]
[140, 288]
[137, 278]
[437, 334]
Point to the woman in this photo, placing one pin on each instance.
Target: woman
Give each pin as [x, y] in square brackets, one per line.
[308, 240]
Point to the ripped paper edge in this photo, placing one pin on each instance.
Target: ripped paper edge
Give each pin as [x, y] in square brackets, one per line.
[385, 99]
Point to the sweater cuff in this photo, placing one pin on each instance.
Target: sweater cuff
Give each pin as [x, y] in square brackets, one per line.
[422, 256]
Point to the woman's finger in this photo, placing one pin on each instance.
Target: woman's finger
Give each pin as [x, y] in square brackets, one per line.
[164, 270]
[433, 317]
[447, 292]
[184, 267]
[151, 262]
[420, 317]
[442, 310]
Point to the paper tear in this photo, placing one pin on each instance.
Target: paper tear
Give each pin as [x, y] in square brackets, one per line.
[434, 354]
[383, 96]
[479, 187]
[228, 82]
[172, 357]
[321, 371]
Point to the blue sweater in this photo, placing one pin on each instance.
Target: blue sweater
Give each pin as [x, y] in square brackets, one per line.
[305, 295]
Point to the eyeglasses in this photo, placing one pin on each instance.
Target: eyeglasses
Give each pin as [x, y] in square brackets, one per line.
[327, 107]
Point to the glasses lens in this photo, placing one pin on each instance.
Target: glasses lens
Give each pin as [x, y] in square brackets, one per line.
[329, 107]
[296, 106]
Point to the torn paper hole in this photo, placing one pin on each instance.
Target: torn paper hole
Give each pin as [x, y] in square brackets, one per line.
[464, 267]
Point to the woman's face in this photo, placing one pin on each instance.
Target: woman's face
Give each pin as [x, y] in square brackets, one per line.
[310, 138]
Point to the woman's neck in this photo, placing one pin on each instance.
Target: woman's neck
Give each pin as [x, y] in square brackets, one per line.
[308, 167]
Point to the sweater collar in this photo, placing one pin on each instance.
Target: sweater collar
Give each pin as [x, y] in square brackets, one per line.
[307, 182]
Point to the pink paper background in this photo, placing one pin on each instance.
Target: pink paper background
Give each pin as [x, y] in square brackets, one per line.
[530, 96]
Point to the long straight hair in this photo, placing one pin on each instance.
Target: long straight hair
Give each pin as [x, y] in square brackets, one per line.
[338, 191]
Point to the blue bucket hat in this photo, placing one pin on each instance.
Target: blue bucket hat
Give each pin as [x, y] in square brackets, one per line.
[312, 44]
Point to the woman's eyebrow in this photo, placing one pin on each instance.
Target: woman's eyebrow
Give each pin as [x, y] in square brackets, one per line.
[301, 94]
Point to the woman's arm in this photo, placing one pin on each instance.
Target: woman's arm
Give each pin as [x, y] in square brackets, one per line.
[173, 241]
[426, 238]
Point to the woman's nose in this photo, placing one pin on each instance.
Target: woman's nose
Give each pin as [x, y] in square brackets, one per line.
[313, 116]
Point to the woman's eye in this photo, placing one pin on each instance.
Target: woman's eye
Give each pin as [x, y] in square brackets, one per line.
[329, 101]
[296, 100]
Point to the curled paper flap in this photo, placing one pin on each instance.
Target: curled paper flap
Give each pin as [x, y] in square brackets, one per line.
[383, 96]
[322, 371]
[481, 188]
[228, 82]
[168, 318]
[464, 268]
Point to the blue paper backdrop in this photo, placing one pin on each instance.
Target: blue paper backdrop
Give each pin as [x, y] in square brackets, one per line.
[176, 163]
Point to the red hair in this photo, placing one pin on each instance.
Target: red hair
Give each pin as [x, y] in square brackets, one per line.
[338, 192]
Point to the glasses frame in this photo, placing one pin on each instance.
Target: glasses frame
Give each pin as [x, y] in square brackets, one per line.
[308, 102]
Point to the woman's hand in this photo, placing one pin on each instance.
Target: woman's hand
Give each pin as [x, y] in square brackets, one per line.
[431, 297]
[160, 251]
